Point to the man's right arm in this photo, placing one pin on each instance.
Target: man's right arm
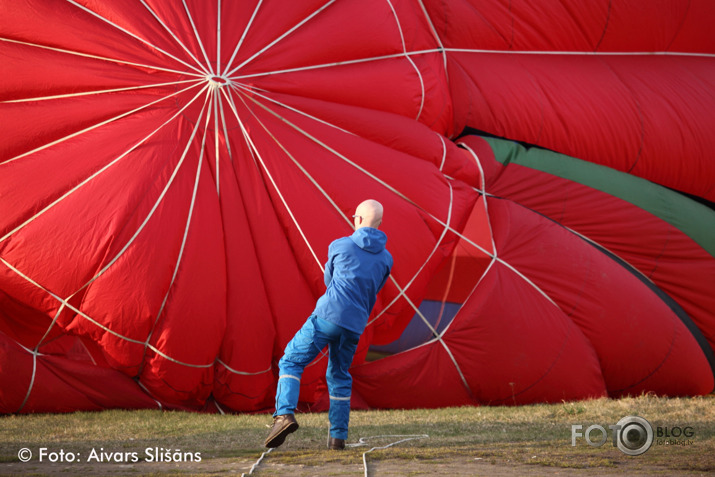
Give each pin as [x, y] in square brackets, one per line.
[328, 275]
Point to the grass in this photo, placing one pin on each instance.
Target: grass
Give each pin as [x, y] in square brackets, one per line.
[526, 438]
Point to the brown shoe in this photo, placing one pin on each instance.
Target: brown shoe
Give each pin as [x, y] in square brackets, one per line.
[282, 426]
[336, 444]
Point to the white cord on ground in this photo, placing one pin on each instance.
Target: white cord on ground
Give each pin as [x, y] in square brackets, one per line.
[362, 442]
[253, 467]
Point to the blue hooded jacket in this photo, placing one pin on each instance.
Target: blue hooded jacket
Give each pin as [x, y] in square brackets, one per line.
[356, 270]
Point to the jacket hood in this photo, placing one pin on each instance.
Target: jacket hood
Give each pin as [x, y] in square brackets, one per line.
[370, 239]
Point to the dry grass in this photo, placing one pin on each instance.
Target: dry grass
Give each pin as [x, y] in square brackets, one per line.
[527, 438]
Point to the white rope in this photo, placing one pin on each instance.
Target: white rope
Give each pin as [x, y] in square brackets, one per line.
[32, 383]
[573, 53]
[483, 181]
[301, 23]
[315, 183]
[100, 91]
[173, 34]
[466, 50]
[436, 37]
[372, 176]
[258, 155]
[36, 352]
[325, 65]
[191, 206]
[103, 123]
[242, 373]
[253, 467]
[429, 257]
[444, 151]
[198, 37]
[491, 233]
[446, 225]
[151, 212]
[148, 393]
[102, 58]
[243, 36]
[417, 70]
[232, 104]
[362, 442]
[124, 30]
[225, 129]
[96, 323]
[217, 142]
[256, 92]
[218, 38]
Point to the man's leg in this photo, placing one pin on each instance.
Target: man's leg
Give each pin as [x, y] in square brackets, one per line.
[300, 351]
[340, 384]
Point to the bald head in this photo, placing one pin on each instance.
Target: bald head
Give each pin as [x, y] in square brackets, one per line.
[368, 214]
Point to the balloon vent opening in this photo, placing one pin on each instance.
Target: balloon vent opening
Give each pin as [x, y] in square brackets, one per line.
[218, 81]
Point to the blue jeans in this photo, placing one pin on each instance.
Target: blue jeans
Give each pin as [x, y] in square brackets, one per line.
[307, 343]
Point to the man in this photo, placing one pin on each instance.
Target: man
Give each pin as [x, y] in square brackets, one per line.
[356, 270]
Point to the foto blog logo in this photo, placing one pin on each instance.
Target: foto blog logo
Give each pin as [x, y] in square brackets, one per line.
[633, 435]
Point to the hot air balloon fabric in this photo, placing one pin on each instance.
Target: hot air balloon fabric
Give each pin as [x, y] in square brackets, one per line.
[172, 173]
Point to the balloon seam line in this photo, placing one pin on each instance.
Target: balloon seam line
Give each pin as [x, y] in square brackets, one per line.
[102, 91]
[456, 365]
[151, 212]
[198, 38]
[436, 36]
[176, 39]
[124, 30]
[64, 302]
[218, 37]
[102, 58]
[191, 206]
[242, 373]
[217, 150]
[251, 91]
[484, 187]
[300, 166]
[444, 152]
[275, 185]
[225, 129]
[91, 128]
[465, 50]
[404, 50]
[447, 226]
[371, 175]
[424, 264]
[243, 36]
[146, 390]
[576, 53]
[291, 30]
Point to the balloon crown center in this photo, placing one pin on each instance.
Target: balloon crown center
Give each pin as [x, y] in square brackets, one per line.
[217, 80]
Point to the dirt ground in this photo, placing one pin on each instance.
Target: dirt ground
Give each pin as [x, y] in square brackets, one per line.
[455, 466]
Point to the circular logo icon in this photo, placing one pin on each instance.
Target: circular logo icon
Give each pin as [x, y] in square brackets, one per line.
[635, 435]
[24, 454]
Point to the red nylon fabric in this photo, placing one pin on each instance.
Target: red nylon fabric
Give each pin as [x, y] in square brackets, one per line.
[646, 114]
[171, 177]
[661, 252]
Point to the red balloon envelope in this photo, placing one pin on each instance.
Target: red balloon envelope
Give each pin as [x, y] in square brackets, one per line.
[171, 176]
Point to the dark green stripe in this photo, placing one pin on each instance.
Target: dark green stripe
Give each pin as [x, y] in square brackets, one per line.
[690, 217]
